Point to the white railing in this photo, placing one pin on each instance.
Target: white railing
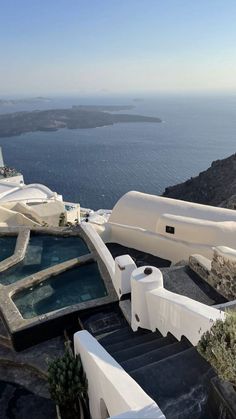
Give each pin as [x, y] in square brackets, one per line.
[100, 247]
[154, 307]
[112, 392]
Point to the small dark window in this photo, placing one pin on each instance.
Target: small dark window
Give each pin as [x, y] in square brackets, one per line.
[170, 230]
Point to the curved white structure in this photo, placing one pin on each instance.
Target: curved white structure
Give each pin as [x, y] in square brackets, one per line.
[26, 193]
[143, 210]
[32, 204]
[169, 228]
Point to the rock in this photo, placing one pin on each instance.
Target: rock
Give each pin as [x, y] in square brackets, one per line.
[215, 186]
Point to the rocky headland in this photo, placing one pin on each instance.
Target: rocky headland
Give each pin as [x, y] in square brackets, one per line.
[215, 186]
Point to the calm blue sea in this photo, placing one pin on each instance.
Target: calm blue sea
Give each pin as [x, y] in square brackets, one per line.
[97, 166]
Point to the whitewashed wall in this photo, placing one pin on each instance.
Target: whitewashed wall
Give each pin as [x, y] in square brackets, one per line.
[144, 210]
[100, 247]
[156, 244]
[110, 388]
[154, 307]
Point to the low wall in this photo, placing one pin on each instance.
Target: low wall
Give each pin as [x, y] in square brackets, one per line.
[200, 265]
[154, 307]
[110, 389]
[179, 315]
[19, 252]
[100, 247]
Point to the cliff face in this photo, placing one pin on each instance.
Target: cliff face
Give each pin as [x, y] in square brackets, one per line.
[215, 186]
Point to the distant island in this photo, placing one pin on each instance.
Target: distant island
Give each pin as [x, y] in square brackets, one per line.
[108, 108]
[6, 102]
[17, 123]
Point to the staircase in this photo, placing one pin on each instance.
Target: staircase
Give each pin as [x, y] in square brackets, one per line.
[172, 373]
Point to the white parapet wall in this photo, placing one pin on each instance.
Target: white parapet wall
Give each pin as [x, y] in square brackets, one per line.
[112, 392]
[100, 247]
[120, 269]
[154, 307]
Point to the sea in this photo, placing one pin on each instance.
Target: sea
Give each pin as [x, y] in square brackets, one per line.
[96, 166]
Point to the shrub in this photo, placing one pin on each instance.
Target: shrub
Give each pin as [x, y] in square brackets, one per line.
[62, 219]
[218, 347]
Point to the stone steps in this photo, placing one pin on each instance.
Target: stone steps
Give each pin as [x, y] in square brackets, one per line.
[178, 383]
[130, 352]
[155, 355]
[131, 341]
[172, 373]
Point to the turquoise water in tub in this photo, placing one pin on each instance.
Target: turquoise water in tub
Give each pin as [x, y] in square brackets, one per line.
[76, 285]
[7, 246]
[42, 252]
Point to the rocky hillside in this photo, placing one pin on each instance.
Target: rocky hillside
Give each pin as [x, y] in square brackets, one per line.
[215, 186]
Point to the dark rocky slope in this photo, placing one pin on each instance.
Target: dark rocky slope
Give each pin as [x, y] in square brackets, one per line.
[215, 186]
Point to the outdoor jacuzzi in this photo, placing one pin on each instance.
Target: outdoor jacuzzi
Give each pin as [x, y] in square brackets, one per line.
[52, 276]
[74, 286]
[43, 251]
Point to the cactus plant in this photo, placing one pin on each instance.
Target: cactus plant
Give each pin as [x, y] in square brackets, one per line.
[67, 383]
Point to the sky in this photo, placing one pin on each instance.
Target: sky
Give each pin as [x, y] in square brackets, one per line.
[117, 46]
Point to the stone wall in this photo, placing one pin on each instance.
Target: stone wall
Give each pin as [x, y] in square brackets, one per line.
[223, 275]
[200, 265]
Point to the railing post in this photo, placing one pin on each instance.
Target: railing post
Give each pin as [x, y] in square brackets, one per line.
[124, 266]
[143, 279]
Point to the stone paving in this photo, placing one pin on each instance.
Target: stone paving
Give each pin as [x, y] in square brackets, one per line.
[18, 403]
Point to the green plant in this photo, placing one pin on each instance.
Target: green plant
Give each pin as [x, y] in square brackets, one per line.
[218, 347]
[62, 219]
[67, 382]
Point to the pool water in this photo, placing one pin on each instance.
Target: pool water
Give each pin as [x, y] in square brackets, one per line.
[44, 252]
[77, 285]
[7, 247]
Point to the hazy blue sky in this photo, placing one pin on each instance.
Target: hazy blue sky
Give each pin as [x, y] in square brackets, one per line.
[74, 46]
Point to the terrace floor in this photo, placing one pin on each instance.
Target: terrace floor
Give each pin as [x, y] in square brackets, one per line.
[17, 402]
[182, 280]
[140, 258]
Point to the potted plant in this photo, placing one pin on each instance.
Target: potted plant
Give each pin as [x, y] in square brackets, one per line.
[68, 385]
[218, 347]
